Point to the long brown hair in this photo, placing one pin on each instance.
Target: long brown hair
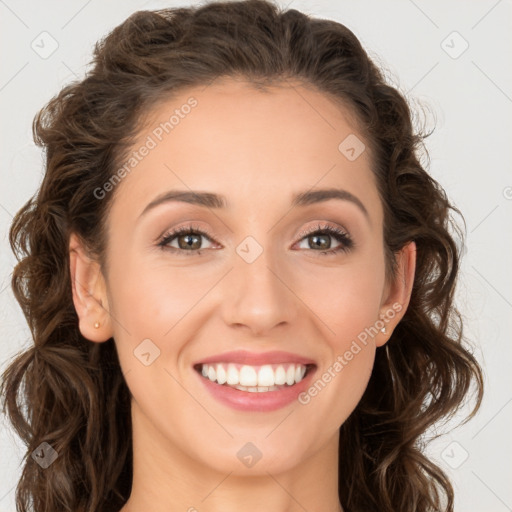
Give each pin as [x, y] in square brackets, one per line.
[70, 393]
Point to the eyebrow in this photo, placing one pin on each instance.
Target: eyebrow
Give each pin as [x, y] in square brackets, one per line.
[211, 200]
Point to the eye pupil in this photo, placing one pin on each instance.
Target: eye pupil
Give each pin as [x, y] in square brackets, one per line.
[189, 244]
[326, 240]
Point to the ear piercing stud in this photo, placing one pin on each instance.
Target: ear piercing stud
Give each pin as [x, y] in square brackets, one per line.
[383, 328]
[97, 325]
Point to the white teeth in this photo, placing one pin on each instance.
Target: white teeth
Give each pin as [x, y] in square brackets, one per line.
[248, 376]
[221, 374]
[266, 376]
[232, 375]
[290, 375]
[280, 377]
[254, 378]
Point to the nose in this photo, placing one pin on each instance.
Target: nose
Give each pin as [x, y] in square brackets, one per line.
[259, 295]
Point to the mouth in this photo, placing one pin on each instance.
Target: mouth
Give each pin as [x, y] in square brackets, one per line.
[255, 382]
[254, 378]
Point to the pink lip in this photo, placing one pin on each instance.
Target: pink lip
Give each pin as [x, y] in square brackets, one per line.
[261, 402]
[255, 359]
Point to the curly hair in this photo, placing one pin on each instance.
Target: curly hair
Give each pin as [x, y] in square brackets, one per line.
[71, 393]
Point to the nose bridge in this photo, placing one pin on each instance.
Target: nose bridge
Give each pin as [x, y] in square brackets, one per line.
[258, 296]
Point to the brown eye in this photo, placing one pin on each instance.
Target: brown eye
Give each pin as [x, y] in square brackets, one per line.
[189, 241]
[319, 239]
[185, 240]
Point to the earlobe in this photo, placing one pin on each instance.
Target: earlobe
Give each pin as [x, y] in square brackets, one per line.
[89, 293]
[399, 293]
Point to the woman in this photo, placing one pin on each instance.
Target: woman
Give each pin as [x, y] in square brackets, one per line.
[238, 276]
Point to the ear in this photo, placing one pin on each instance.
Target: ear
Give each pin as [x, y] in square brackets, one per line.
[397, 293]
[89, 293]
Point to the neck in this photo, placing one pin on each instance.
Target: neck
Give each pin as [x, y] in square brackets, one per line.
[165, 479]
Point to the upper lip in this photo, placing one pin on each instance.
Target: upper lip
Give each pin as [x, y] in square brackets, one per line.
[256, 359]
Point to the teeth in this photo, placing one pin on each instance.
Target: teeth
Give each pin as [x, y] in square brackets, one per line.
[290, 375]
[254, 379]
[266, 376]
[221, 374]
[232, 375]
[280, 377]
[248, 376]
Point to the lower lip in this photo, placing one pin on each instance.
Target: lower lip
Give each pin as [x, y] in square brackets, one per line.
[262, 402]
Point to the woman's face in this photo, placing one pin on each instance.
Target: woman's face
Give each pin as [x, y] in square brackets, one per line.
[262, 295]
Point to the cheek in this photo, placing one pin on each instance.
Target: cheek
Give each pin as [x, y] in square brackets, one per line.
[153, 308]
[149, 300]
[346, 300]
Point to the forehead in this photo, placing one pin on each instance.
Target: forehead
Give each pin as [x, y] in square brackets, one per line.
[251, 113]
[243, 142]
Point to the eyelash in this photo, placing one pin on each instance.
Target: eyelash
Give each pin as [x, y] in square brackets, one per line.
[346, 242]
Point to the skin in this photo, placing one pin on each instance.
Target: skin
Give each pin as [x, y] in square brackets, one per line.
[258, 149]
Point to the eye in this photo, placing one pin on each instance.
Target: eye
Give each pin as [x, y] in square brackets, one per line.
[187, 238]
[319, 237]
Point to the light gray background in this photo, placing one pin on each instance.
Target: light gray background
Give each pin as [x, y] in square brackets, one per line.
[470, 96]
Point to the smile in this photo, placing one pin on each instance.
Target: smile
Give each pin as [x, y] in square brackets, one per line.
[254, 379]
